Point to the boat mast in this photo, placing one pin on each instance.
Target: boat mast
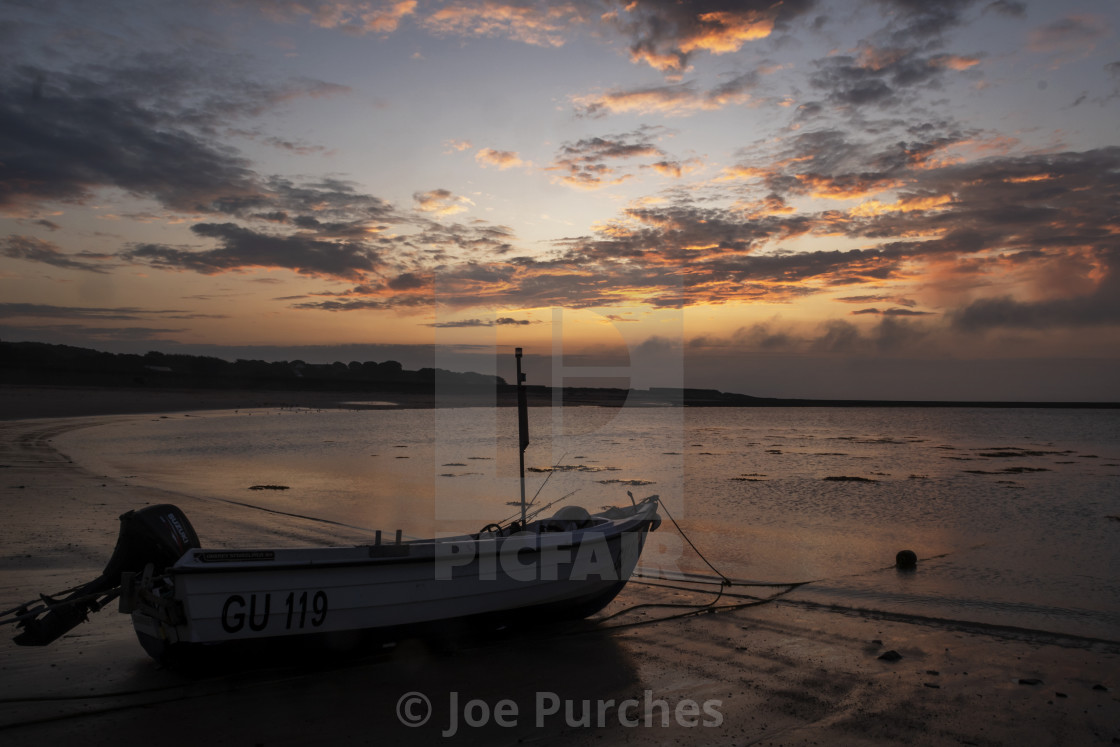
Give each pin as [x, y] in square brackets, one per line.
[522, 427]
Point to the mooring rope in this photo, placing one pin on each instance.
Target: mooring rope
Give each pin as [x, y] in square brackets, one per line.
[726, 580]
[700, 579]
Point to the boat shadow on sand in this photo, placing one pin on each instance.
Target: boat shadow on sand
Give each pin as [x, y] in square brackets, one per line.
[404, 691]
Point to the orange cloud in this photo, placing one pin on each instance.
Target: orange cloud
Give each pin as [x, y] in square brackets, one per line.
[387, 20]
[348, 15]
[588, 163]
[726, 31]
[502, 159]
[717, 32]
[731, 173]
[441, 202]
[457, 145]
[677, 169]
[592, 177]
[679, 99]
[910, 205]
[875, 58]
[658, 61]
[956, 62]
[770, 206]
[539, 26]
[949, 153]
[832, 188]
[1027, 179]
[883, 58]
[669, 101]
[1070, 38]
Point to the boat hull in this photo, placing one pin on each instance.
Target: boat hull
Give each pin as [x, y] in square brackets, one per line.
[212, 597]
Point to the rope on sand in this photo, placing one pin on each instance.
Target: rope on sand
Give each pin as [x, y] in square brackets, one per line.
[701, 579]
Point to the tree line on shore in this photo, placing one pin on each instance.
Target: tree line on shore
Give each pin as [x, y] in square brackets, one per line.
[44, 363]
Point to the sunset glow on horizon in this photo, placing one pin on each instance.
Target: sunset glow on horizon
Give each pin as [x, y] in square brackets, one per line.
[809, 198]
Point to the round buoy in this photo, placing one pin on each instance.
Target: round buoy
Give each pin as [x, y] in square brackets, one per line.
[906, 559]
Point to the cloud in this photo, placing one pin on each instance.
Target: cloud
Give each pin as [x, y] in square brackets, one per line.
[408, 281]
[873, 298]
[679, 99]
[838, 337]
[914, 206]
[832, 164]
[353, 16]
[145, 128]
[676, 169]
[1099, 307]
[664, 34]
[891, 65]
[599, 148]
[466, 241]
[291, 146]
[504, 321]
[457, 145]
[242, 248]
[1009, 8]
[893, 311]
[119, 313]
[894, 333]
[441, 202]
[1069, 38]
[539, 24]
[37, 250]
[590, 163]
[83, 334]
[912, 21]
[360, 304]
[891, 335]
[61, 145]
[762, 336]
[329, 207]
[833, 337]
[883, 76]
[1021, 217]
[986, 216]
[903, 200]
[502, 159]
[1055, 201]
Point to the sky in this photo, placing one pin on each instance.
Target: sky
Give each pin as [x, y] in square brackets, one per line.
[807, 198]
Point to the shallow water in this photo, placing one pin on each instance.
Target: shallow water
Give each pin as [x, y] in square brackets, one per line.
[1008, 510]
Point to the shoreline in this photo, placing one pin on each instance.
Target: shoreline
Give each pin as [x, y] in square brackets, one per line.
[787, 672]
[23, 402]
[30, 402]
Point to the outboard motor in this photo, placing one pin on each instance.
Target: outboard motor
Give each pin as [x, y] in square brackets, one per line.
[156, 534]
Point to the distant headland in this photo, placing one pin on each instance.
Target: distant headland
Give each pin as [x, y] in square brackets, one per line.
[204, 382]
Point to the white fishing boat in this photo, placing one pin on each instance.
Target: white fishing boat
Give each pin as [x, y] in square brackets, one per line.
[568, 566]
[181, 595]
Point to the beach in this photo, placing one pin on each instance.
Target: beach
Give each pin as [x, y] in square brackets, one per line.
[785, 672]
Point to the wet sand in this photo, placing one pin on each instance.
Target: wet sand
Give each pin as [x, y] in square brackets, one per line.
[780, 673]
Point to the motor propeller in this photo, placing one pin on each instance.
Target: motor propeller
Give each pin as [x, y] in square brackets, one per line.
[155, 534]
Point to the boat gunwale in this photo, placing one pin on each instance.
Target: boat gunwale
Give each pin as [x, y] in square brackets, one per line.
[614, 528]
